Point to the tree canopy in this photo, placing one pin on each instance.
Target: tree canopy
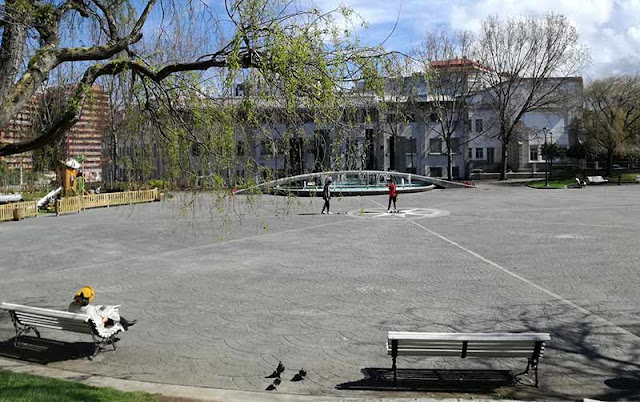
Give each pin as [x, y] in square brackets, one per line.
[303, 54]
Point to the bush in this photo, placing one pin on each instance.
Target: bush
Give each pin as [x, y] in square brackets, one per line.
[159, 184]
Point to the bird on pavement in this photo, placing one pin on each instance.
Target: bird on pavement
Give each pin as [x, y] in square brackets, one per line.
[271, 387]
[276, 373]
[277, 381]
[300, 375]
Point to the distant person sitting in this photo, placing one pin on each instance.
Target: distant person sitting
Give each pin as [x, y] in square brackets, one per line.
[107, 319]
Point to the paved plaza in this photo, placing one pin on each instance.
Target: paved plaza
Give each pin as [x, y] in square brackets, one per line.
[224, 291]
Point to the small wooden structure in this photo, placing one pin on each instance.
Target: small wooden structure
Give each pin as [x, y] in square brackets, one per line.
[67, 177]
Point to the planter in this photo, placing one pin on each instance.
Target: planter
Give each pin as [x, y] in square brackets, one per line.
[18, 214]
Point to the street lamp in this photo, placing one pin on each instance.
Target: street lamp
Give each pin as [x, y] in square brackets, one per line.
[545, 130]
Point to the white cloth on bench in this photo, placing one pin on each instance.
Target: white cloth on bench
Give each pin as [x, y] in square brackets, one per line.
[96, 314]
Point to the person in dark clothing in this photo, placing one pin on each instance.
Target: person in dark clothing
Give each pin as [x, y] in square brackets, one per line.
[326, 196]
[393, 196]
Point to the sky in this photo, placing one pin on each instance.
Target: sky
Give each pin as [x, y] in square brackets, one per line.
[610, 28]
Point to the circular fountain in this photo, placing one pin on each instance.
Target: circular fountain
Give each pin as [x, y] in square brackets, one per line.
[354, 182]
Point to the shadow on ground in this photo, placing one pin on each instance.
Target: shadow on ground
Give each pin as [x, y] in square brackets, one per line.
[44, 351]
[381, 379]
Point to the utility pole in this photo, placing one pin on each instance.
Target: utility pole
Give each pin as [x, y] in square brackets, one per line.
[546, 158]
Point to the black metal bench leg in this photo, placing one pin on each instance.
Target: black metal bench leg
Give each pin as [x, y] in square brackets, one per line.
[394, 356]
[395, 372]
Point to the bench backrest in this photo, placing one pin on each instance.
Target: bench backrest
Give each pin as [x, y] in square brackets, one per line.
[467, 345]
[596, 179]
[47, 318]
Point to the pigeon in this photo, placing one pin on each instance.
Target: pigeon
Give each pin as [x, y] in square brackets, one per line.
[300, 375]
[271, 387]
[277, 381]
[276, 373]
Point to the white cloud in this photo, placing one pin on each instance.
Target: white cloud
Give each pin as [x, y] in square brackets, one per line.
[611, 28]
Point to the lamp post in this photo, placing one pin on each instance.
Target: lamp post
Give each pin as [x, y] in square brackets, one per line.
[546, 157]
[550, 153]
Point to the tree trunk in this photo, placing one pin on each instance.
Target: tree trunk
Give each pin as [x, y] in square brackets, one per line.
[609, 162]
[503, 162]
[14, 37]
[449, 167]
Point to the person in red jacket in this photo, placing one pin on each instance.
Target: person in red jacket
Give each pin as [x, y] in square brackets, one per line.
[393, 196]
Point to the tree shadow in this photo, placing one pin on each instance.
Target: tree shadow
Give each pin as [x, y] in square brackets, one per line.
[586, 357]
[624, 388]
[45, 351]
[472, 381]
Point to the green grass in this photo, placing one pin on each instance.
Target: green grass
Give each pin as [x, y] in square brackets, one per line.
[33, 196]
[30, 388]
[626, 178]
[553, 183]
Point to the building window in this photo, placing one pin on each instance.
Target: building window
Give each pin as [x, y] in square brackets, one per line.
[455, 145]
[479, 153]
[479, 125]
[435, 146]
[433, 117]
[435, 171]
[240, 148]
[534, 154]
[470, 153]
[411, 155]
[491, 158]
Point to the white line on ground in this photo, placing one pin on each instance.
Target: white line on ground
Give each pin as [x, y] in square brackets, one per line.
[525, 280]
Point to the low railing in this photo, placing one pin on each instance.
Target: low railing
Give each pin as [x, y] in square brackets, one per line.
[68, 204]
[30, 209]
[76, 204]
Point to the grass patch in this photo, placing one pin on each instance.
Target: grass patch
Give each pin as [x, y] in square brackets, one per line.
[626, 178]
[33, 196]
[553, 183]
[16, 387]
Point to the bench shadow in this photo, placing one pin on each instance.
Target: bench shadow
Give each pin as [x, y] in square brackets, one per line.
[381, 379]
[44, 351]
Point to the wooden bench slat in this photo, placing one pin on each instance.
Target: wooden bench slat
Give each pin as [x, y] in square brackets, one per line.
[84, 330]
[470, 343]
[45, 320]
[458, 352]
[469, 347]
[38, 310]
[71, 323]
[81, 318]
[54, 324]
[51, 320]
[525, 336]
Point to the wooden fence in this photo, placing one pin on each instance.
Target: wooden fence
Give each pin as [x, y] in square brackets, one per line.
[30, 209]
[76, 204]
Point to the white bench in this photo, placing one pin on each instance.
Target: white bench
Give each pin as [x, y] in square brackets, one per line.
[26, 319]
[482, 345]
[596, 180]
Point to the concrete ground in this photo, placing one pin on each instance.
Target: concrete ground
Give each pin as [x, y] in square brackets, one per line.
[223, 291]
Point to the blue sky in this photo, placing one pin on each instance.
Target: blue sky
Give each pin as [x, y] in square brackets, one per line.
[611, 28]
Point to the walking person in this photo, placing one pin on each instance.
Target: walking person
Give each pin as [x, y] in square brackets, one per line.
[393, 196]
[326, 196]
